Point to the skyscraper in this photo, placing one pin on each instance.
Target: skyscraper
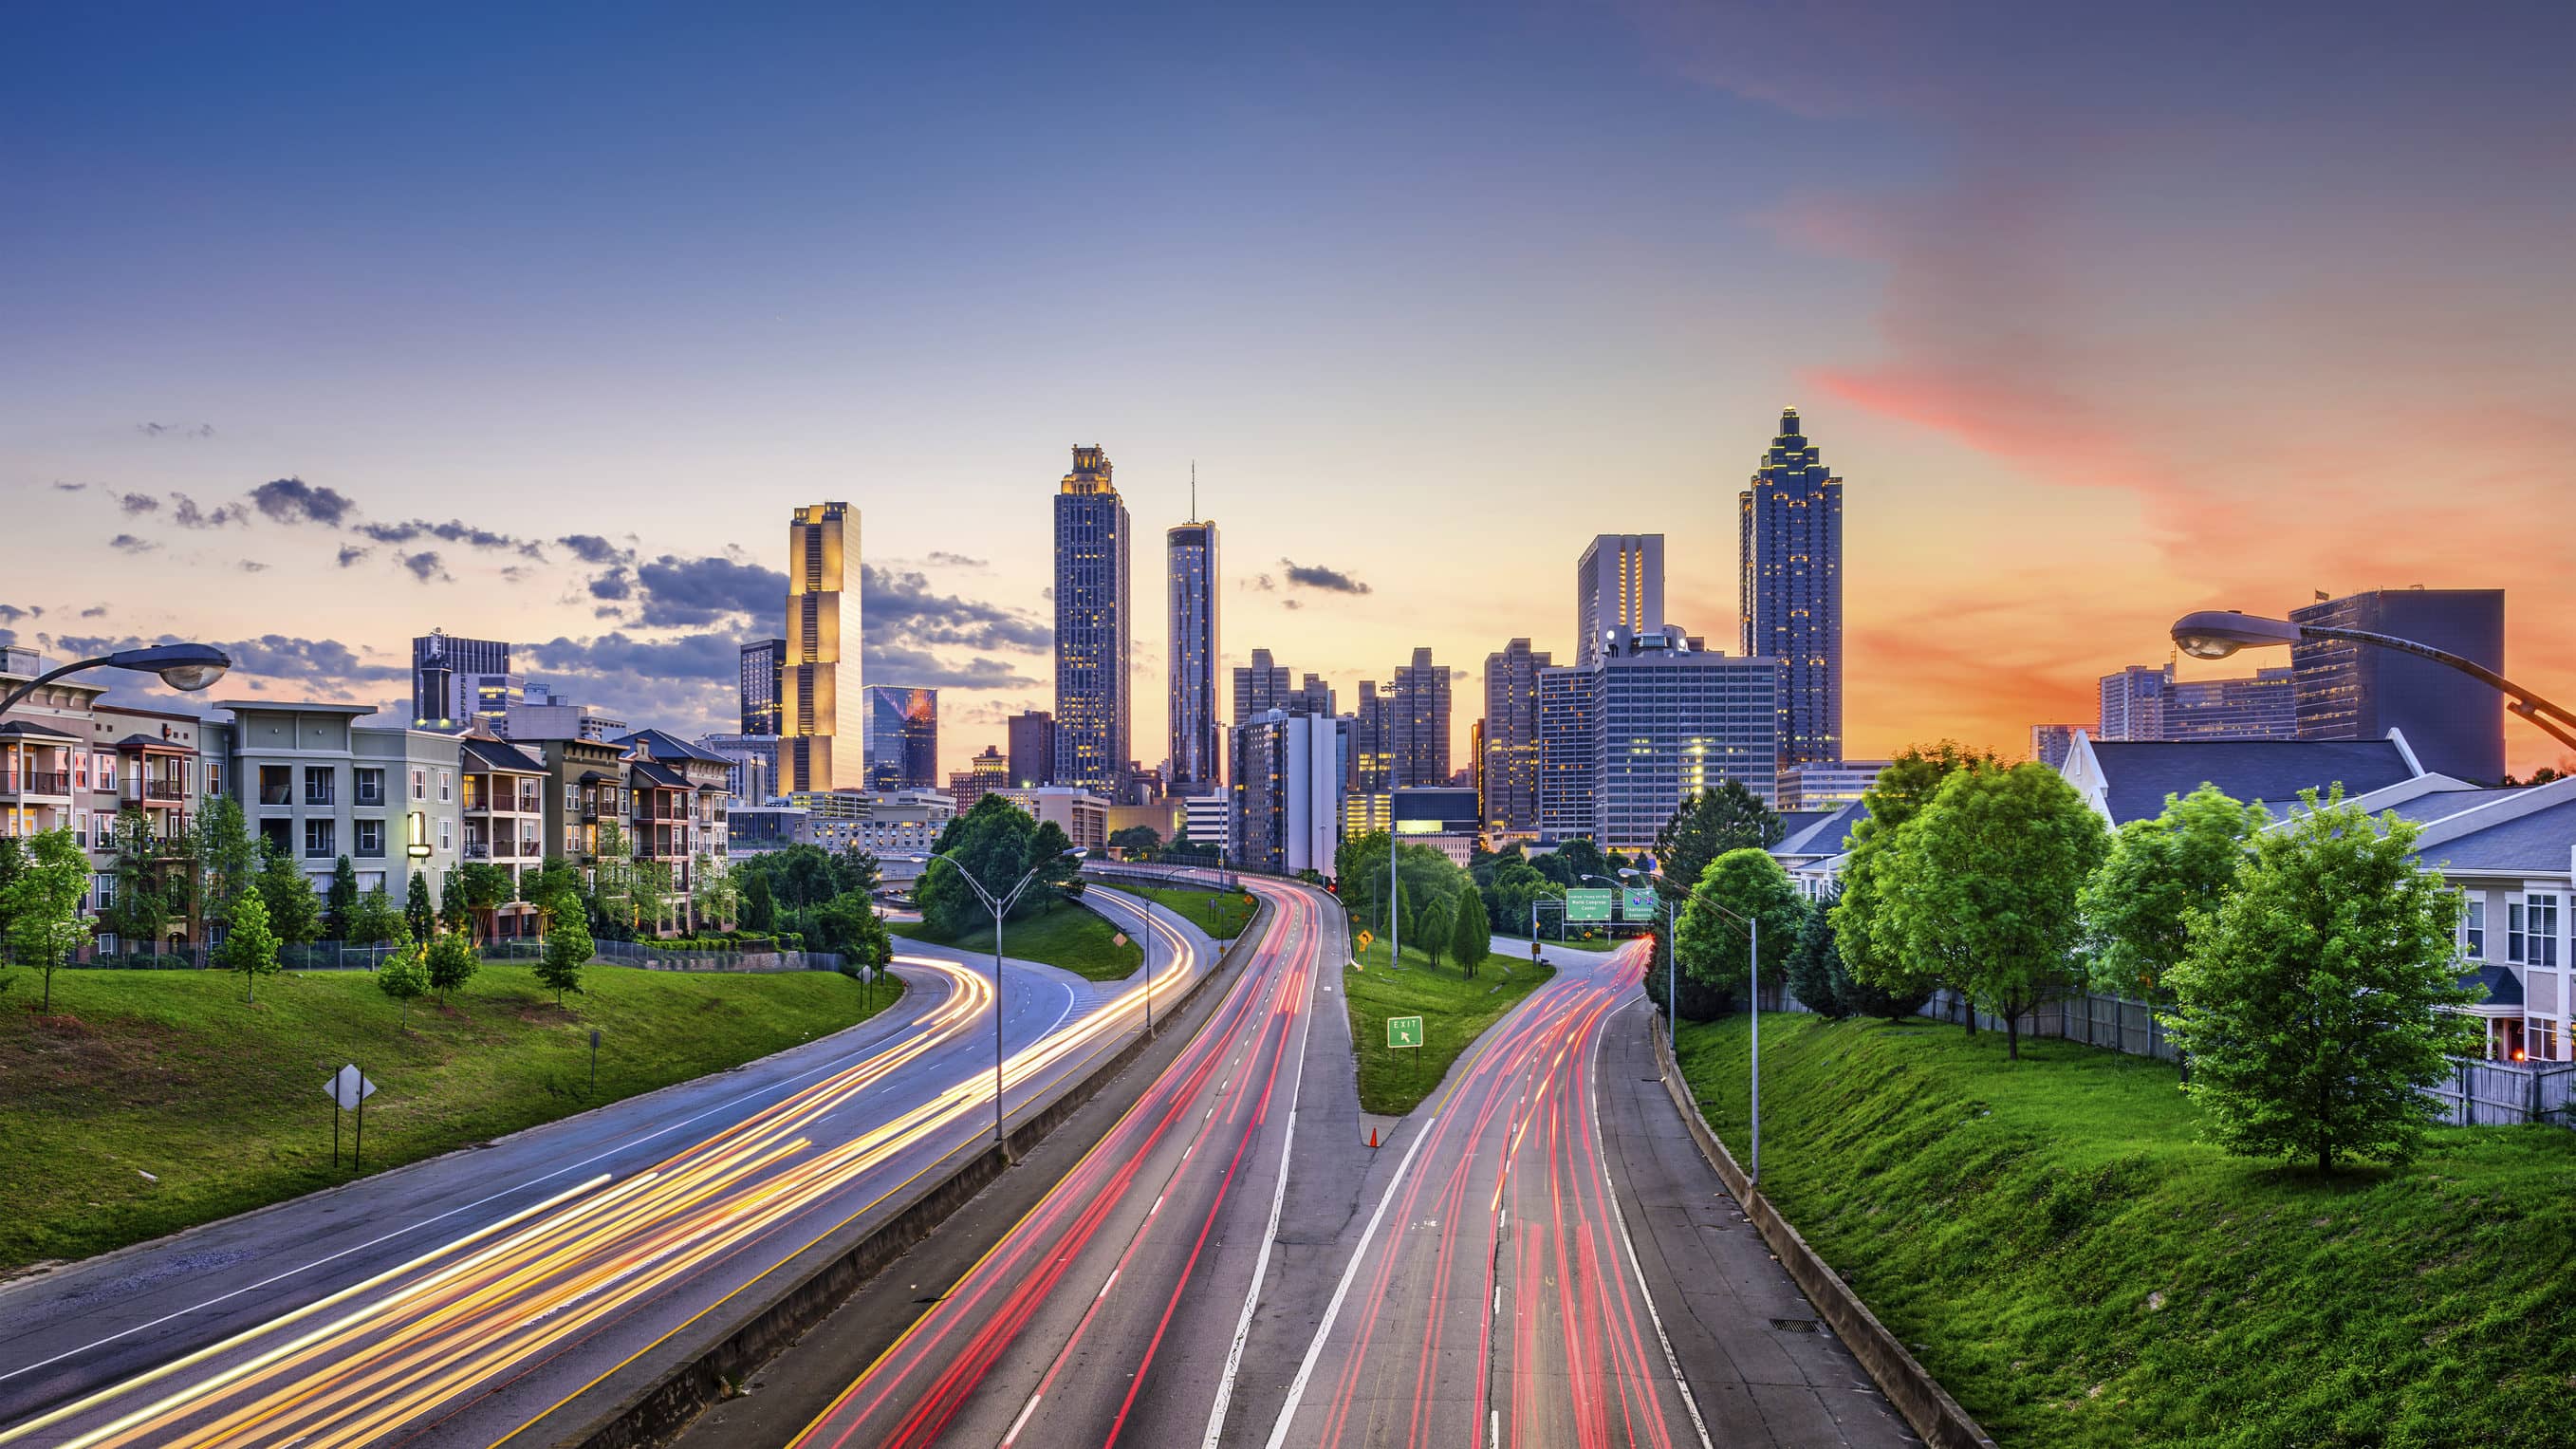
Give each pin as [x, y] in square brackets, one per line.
[2354, 691]
[764, 671]
[1421, 722]
[455, 681]
[1198, 736]
[2133, 703]
[809, 696]
[1092, 690]
[1287, 791]
[1791, 549]
[1032, 750]
[1373, 741]
[1509, 759]
[1618, 584]
[1261, 686]
[903, 737]
[1655, 720]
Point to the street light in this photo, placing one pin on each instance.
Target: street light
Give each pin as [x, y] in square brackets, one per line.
[185, 667]
[999, 908]
[2217, 633]
[1673, 1010]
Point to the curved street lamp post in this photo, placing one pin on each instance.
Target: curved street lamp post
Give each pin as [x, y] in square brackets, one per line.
[1673, 1008]
[185, 667]
[1000, 907]
[2217, 633]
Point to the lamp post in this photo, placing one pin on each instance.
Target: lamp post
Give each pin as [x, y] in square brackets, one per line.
[186, 667]
[1000, 907]
[1673, 1010]
[2217, 633]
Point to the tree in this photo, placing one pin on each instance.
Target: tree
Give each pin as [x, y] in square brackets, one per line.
[713, 895]
[759, 907]
[848, 924]
[140, 907]
[403, 976]
[990, 842]
[249, 947]
[294, 912]
[1429, 928]
[454, 916]
[1986, 883]
[44, 904]
[801, 875]
[1715, 939]
[568, 949]
[1059, 872]
[375, 920]
[2319, 998]
[341, 901]
[227, 859]
[1899, 794]
[1471, 934]
[655, 895]
[1136, 842]
[1852, 995]
[418, 917]
[1813, 964]
[612, 883]
[2138, 906]
[480, 889]
[855, 870]
[451, 962]
[1708, 825]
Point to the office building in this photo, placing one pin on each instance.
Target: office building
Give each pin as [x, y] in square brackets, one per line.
[2355, 691]
[1198, 736]
[1287, 773]
[1209, 819]
[1618, 584]
[1080, 814]
[902, 737]
[553, 717]
[1825, 787]
[1509, 755]
[892, 825]
[1420, 721]
[1790, 545]
[2133, 703]
[1655, 720]
[1372, 762]
[455, 681]
[1092, 689]
[821, 538]
[751, 766]
[1263, 686]
[1032, 748]
[764, 678]
[2141, 703]
[2049, 743]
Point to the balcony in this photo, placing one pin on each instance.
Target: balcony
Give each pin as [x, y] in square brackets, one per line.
[477, 850]
[41, 782]
[157, 792]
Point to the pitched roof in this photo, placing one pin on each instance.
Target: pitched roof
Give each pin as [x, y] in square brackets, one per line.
[2503, 987]
[501, 755]
[1829, 833]
[646, 772]
[30, 727]
[663, 745]
[2141, 773]
[2539, 841]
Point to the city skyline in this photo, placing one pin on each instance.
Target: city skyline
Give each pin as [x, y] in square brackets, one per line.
[2001, 317]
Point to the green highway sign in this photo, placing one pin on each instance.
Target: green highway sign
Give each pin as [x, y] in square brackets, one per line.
[1589, 905]
[1403, 1031]
[1641, 904]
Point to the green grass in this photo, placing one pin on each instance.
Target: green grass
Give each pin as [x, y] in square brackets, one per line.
[1079, 940]
[1192, 905]
[2077, 1267]
[168, 1072]
[1454, 1011]
[1605, 943]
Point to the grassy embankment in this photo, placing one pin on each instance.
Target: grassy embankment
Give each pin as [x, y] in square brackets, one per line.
[168, 1072]
[1454, 1011]
[2077, 1267]
[1221, 923]
[1067, 935]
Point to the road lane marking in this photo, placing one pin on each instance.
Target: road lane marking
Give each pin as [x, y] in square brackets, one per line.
[1619, 1214]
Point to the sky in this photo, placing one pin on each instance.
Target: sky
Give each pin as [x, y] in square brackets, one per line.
[324, 326]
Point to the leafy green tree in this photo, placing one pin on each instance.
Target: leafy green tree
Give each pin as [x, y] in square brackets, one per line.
[1471, 932]
[993, 842]
[556, 879]
[44, 904]
[1429, 930]
[249, 947]
[1715, 940]
[655, 893]
[1900, 793]
[454, 916]
[612, 883]
[1515, 884]
[1709, 824]
[227, 858]
[375, 920]
[568, 949]
[802, 875]
[1986, 885]
[419, 917]
[294, 912]
[403, 976]
[848, 924]
[12, 862]
[479, 888]
[1581, 858]
[856, 870]
[2160, 873]
[340, 901]
[1059, 871]
[1136, 842]
[1813, 962]
[140, 909]
[713, 895]
[759, 906]
[451, 962]
[2320, 998]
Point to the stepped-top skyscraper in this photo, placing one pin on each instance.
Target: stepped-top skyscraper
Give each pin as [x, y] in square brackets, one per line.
[1791, 547]
[1092, 691]
[819, 537]
[1198, 735]
[1618, 584]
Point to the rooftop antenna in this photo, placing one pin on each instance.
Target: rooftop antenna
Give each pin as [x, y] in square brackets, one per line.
[1194, 490]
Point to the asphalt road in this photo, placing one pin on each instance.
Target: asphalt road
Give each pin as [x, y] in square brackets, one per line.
[1118, 1308]
[458, 1300]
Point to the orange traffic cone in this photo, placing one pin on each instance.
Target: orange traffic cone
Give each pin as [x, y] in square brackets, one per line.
[1372, 1137]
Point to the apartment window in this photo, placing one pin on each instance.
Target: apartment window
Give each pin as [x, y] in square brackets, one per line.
[370, 838]
[80, 828]
[106, 884]
[446, 833]
[370, 880]
[2473, 931]
[419, 784]
[276, 785]
[214, 779]
[105, 774]
[319, 843]
[446, 784]
[370, 786]
[321, 785]
[2540, 930]
[80, 770]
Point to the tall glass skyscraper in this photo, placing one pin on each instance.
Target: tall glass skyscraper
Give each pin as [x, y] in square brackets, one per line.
[764, 670]
[1791, 549]
[1510, 749]
[1198, 736]
[1618, 584]
[819, 537]
[2352, 691]
[1092, 692]
[903, 737]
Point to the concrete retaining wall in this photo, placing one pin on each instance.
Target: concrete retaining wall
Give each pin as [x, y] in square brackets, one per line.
[1927, 1406]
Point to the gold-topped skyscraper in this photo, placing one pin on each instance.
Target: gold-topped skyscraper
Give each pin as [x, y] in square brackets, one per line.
[1092, 691]
[809, 696]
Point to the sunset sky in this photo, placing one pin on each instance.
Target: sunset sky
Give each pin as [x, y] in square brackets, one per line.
[320, 327]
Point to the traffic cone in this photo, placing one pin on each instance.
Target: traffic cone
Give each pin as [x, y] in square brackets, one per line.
[1372, 1137]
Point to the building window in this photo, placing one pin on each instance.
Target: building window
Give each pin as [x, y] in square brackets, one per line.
[276, 785]
[2473, 930]
[446, 784]
[320, 785]
[419, 784]
[371, 880]
[106, 891]
[318, 843]
[446, 833]
[105, 774]
[370, 838]
[370, 786]
[2540, 930]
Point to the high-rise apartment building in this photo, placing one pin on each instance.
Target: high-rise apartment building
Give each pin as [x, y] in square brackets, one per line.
[2133, 703]
[2149, 703]
[1791, 549]
[2051, 743]
[1198, 736]
[1032, 748]
[819, 538]
[1657, 719]
[1092, 690]
[2356, 691]
[902, 738]
[1287, 791]
[1372, 762]
[456, 681]
[1618, 584]
[764, 671]
[1263, 686]
[1421, 722]
[1508, 758]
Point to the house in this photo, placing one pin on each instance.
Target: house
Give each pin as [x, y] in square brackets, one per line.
[504, 807]
[2125, 780]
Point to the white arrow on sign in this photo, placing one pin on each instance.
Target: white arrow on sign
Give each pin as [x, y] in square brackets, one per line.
[348, 1087]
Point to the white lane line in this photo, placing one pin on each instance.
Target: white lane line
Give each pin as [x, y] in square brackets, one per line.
[1619, 1215]
[1333, 1310]
[1021, 1422]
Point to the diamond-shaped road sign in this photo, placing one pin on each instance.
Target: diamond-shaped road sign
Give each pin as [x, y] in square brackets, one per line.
[348, 1087]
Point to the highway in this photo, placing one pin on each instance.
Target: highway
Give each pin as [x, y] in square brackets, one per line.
[1118, 1308]
[464, 1299]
